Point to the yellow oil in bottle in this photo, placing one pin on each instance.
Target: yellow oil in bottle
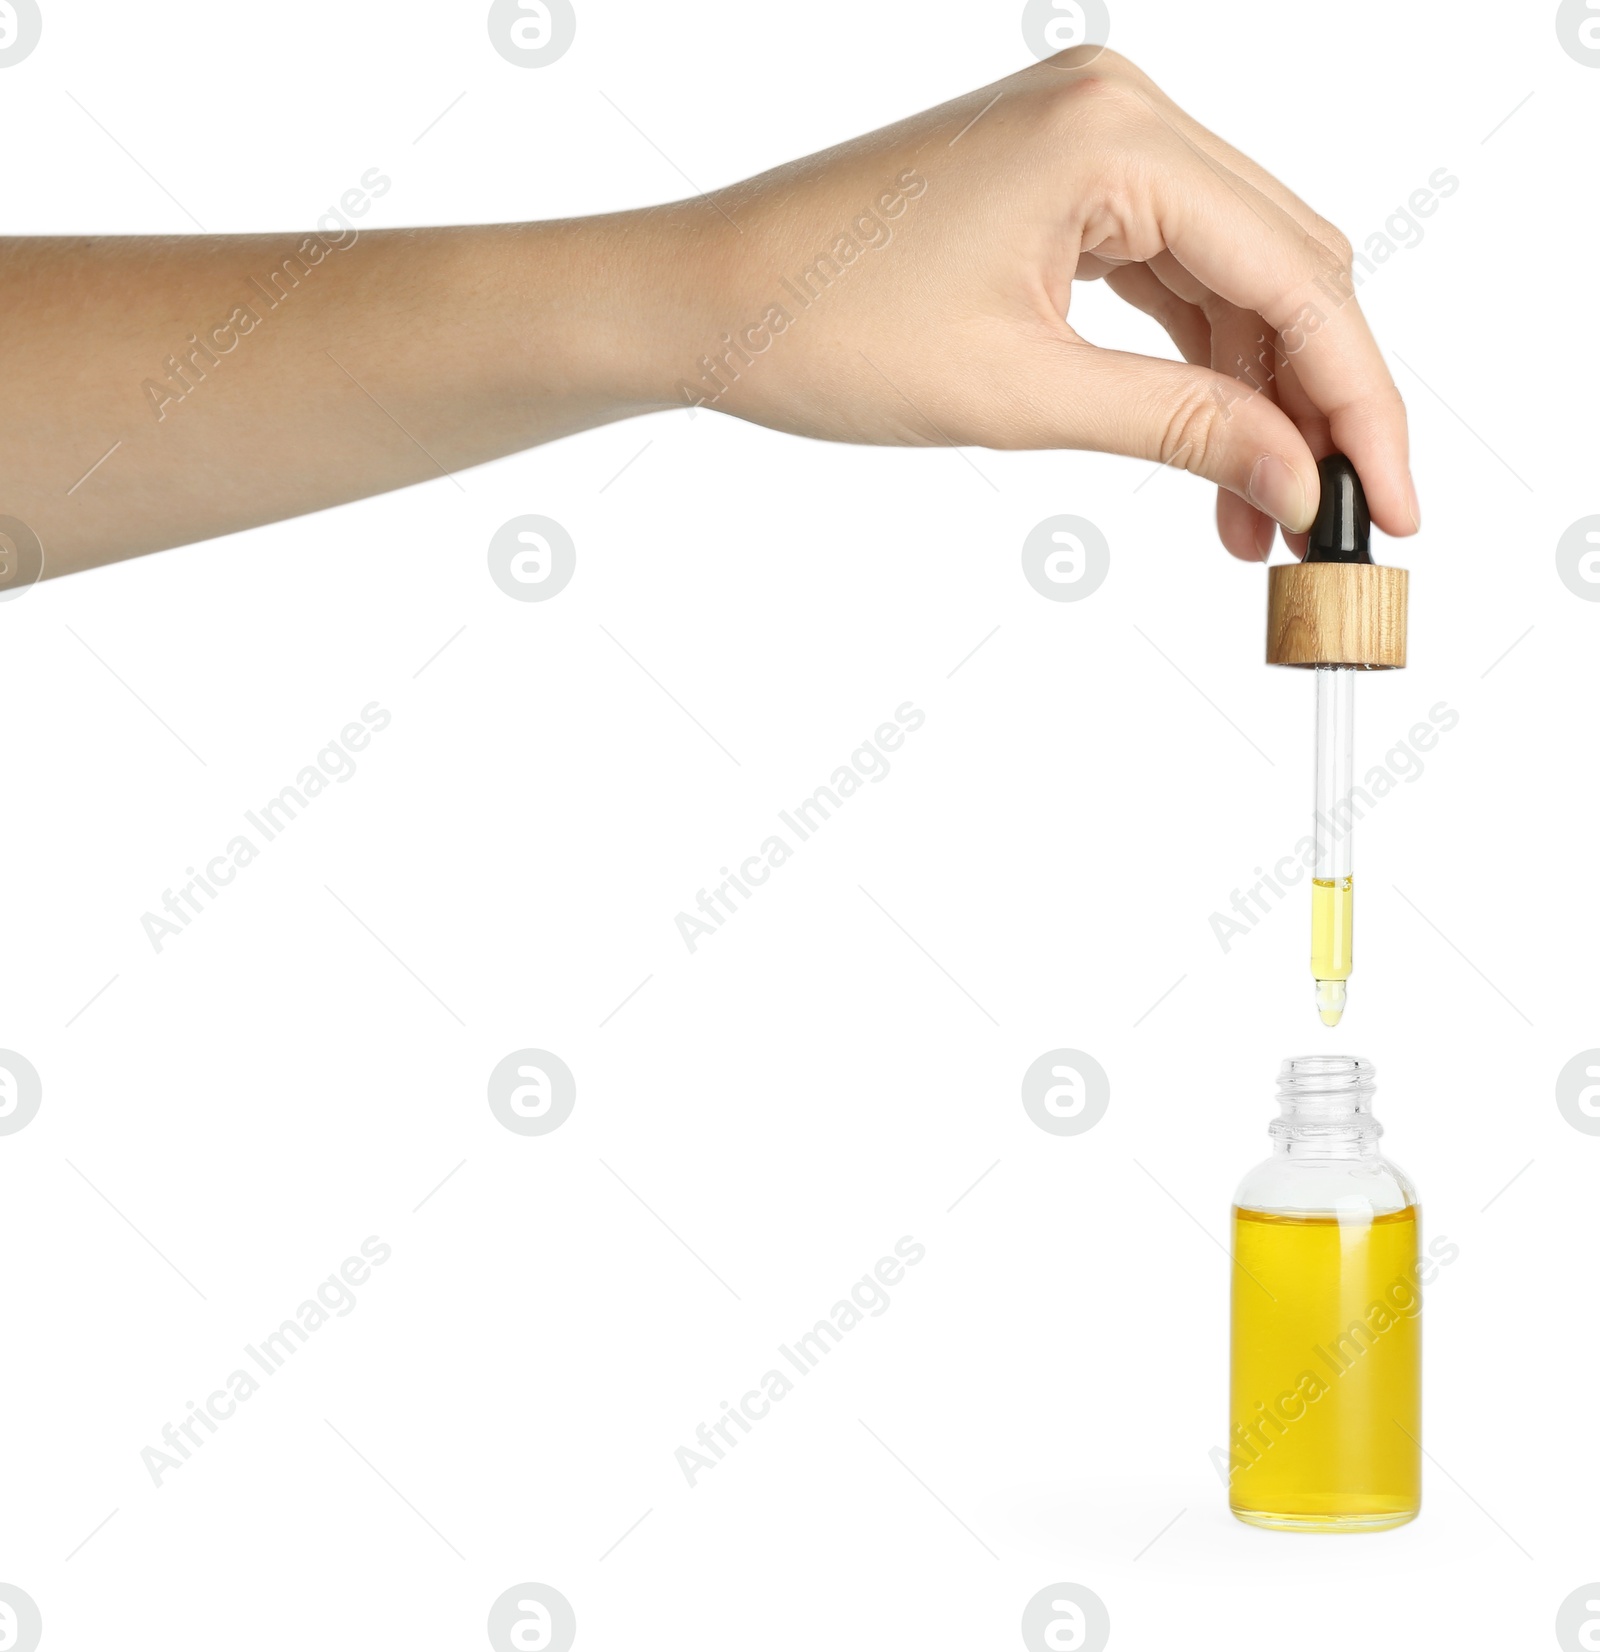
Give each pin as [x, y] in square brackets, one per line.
[1325, 1409]
[1332, 917]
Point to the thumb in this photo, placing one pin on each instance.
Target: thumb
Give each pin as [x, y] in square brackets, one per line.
[1196, 420]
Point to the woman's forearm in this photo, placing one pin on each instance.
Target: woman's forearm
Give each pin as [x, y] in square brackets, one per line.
[163, 390]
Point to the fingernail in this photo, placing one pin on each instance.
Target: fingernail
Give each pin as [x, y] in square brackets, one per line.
[1416, 507]
[1275, 489]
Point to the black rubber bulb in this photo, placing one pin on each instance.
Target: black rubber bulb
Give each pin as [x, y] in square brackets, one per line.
[1343, 527]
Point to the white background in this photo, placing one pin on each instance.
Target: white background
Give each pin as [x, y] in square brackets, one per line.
[810, 1086]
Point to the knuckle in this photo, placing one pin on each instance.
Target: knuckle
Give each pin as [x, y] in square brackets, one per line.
[1190, 435]
[1090, 94]
[1335, 243]
[1090, 56]
[1390, 402]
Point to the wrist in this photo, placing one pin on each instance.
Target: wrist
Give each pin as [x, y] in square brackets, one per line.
[617, 308]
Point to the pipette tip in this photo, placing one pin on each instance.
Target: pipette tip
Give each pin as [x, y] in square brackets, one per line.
[1330, 1002]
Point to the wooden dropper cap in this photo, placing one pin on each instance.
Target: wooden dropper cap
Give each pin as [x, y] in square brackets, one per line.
[1338, 607]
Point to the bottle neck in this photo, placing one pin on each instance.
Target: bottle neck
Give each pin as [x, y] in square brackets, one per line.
[1325, 1109]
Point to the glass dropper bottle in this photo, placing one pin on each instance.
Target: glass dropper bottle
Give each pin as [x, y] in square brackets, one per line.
[1325, 1398]
[1337, 613]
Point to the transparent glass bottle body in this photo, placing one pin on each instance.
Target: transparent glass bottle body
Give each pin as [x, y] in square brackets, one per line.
[1325, 1388]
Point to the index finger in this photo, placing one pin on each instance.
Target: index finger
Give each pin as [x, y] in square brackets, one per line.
[1247, 248]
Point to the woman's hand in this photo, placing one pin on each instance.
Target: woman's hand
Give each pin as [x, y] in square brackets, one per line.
[910, 287]
[913, 287]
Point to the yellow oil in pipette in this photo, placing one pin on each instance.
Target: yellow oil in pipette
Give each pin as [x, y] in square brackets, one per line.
[1332, 914]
